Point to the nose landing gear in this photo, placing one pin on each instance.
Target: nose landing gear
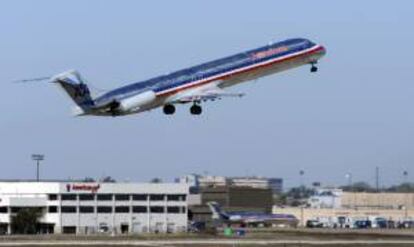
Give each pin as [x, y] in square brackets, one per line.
[313, 68]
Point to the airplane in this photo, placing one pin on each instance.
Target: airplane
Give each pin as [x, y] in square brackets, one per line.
[250, 218]
[193, 85]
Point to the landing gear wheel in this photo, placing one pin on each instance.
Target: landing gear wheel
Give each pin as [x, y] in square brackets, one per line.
[169, 109]
[313, 68]
[195, 110]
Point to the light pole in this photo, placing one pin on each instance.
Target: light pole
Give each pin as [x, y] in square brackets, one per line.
[301, 173]
[37, 158]
[351, 188]
[302, 186]
[377, 185]
[405, 174]
[348, 176]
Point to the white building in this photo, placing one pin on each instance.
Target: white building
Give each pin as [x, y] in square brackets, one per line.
[196, 181]
[276, 184]
[72, 207]
[326, 198]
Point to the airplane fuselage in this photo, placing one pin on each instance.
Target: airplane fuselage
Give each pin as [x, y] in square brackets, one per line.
[192, 85]
[256, 218]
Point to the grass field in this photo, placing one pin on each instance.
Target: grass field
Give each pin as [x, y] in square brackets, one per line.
[254, 237]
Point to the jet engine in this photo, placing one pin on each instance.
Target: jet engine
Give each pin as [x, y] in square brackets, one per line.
[137, 101]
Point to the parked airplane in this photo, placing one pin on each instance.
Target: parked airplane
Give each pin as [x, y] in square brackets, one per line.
[192, 85]
[251, 218]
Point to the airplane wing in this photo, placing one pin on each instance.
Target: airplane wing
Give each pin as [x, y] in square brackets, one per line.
[205, 95]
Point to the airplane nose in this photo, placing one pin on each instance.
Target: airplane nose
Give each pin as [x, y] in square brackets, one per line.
[323, 50]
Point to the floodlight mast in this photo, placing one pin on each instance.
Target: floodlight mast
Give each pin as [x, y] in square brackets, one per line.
[37, 158]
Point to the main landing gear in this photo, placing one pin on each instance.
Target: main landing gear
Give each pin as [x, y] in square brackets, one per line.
[169, 109]
[313, 68]
[195, 109]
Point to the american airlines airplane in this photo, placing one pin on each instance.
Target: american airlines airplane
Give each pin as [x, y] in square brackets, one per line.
[250, 218]
[193, 85]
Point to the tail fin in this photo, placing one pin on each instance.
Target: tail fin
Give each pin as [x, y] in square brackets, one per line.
[218, 214]
[72, 82]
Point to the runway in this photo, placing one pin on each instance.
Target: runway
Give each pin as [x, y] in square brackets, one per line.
[211, 242]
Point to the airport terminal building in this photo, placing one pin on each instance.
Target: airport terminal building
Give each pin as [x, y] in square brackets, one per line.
[89, 207]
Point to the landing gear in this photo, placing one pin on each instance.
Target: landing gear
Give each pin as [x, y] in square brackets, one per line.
[313, 68]
[195, 109]
[169, 109]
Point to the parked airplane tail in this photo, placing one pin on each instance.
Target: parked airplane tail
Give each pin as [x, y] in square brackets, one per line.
[73, 84]
[217, 212]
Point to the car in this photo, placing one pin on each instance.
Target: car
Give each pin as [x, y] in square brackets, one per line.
[344, 222]
[362, 224]
[197, 226]
[314, 224]
[406, 224]
[380, 223]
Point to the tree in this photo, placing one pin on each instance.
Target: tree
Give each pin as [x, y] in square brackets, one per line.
[88, 180]
[300, 192]
[402, 188]
[296, 196]
[156, 180]
[358, 187]
[108, 179]
[26, 221]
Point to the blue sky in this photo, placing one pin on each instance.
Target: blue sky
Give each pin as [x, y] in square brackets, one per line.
[354, 115]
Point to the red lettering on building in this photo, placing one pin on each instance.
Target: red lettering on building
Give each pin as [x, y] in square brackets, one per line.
[86, 187]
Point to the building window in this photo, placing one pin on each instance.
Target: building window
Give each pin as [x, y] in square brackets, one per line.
[122, 209]
[104, 197]
[86, 209]
[15, 209]
[86, 197]
[3, 210]
[52, 197]
[139, 197]
[173, 210]
[173, 197]
[157, 209]
[139, 209]
[176, 197]
[52, 209]
[104, 209]
[156, 197]
[68, 197]
[68, 209]
[69, 230]
[121, 197]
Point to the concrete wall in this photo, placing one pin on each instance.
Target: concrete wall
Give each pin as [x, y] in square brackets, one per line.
[304, 214]
[380, 200]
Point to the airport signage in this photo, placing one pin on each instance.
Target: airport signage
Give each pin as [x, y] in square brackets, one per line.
[83, 187]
